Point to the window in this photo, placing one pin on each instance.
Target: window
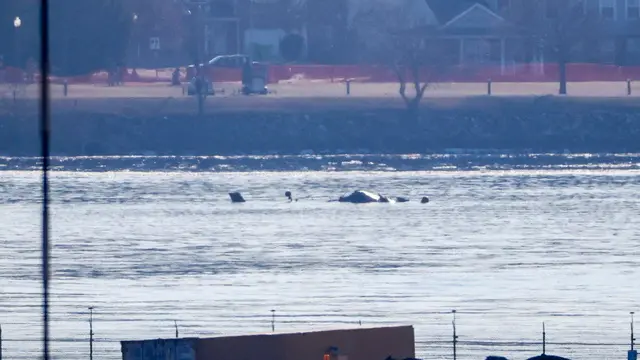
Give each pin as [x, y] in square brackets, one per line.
[154, 43]
[608, 9]
[633, 9]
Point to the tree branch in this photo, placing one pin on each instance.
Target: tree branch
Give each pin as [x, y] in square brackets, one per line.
[403, 83]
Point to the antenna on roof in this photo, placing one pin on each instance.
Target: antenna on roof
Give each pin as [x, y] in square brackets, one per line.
[175, 324]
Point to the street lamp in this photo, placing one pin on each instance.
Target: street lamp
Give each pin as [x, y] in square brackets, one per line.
[17, 22]
[136, 38]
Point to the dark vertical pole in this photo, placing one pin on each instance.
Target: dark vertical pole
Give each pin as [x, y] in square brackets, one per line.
[0, 342]
[273, 320]
[633, 339]
[562, 69]
[544, 340]
[455, 336]
[44, 144]
[16, 44]
[175, 323]
[200, 76]
[91, 333]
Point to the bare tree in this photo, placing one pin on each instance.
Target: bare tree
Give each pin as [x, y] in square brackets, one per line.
[417, 62]
[564, 29]
[387, 35]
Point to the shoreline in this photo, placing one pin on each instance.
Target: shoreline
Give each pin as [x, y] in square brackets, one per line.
[174, 104]
[272, 125]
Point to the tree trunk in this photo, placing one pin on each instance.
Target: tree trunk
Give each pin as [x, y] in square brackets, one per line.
[562, 72]
[412, 103]
[200, 103]
[413, 111]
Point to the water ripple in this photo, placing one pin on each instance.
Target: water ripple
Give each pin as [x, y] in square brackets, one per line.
[508, 247]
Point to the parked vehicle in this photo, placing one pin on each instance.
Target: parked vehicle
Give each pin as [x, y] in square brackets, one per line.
[231, 68]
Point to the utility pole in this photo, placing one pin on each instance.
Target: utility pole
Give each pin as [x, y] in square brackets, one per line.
[197, 30]
[633, 339]
[90, 332]
[455, 336]
[631, 354]
[175, 323]
[273, 320]
[544, 340]
[0, 342]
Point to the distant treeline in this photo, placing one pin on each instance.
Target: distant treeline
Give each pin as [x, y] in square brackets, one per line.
[85, 35]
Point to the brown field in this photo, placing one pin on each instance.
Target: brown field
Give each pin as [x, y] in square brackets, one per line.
[132, 99]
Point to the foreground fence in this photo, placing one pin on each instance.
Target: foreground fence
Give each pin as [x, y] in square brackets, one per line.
[547, 72]
[105, 348]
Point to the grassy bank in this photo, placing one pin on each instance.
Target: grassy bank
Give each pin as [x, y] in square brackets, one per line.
[161, 99]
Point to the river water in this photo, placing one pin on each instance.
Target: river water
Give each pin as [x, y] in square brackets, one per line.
[508, 241]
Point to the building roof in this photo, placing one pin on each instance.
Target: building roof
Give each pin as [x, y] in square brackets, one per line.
[445, 10]
[413, 12]
[477, 16]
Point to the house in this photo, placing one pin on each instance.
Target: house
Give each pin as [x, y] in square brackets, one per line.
[505, 33]
[469, 33]
[265, 23]
[256, 27]
[321, 23]
[501, 33]
[517, 31]
[371, 22]
[478, 33]
[157, 35]
[169, 33]
[216, 26]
